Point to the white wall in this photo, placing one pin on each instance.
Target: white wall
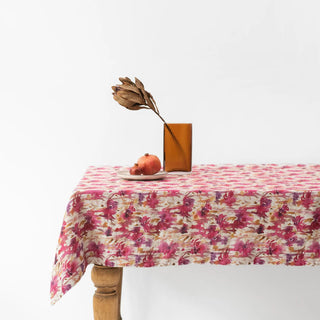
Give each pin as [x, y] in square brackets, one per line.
[245, 73]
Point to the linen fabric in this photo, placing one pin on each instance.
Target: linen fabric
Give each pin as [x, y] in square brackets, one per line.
[217, 214]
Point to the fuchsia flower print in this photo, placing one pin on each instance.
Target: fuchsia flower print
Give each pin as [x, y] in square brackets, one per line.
[231, 214]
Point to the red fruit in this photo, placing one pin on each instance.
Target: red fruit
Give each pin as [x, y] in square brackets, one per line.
[135, 170]
[149, 164]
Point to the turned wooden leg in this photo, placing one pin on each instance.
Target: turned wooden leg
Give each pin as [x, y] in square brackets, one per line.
[107, 298]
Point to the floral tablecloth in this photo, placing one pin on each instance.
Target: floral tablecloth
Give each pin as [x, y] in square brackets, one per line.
[217, 214]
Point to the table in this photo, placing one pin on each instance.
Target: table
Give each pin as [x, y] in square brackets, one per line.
[217, 214]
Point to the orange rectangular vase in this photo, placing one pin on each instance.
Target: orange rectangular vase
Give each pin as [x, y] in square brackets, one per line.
[177, 152]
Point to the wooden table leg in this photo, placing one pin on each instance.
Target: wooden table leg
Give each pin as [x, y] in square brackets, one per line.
[107, 297]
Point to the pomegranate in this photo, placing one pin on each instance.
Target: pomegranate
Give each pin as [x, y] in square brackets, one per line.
[149, 164]
[135, 170]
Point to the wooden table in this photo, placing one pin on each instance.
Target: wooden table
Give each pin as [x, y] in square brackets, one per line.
[217, 214]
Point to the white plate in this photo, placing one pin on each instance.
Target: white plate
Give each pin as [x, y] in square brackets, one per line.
[125, 174]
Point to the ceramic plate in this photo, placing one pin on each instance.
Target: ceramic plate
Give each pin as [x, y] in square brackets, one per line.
[124, 174]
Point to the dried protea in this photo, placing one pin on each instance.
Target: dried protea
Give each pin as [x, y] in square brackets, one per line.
[133, 96]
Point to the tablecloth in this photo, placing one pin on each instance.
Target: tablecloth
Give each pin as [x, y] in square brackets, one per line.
[217, 214]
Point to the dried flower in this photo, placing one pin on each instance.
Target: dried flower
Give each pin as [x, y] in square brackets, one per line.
[133, 96]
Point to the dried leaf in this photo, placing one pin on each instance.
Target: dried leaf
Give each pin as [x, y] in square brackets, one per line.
[130, 87]
[115, 88]
[153, 101]
[126, 80]
[131, 96]
[148, 101]
[123, 102]
[139, 84]
[137, 107]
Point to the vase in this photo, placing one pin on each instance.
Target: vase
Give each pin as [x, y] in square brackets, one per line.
[177, 147]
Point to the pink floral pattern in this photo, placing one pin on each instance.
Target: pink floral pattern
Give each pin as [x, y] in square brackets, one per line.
[230, 214]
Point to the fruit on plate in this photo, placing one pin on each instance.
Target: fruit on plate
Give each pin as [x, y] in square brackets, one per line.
[149, 164]
[135, 170]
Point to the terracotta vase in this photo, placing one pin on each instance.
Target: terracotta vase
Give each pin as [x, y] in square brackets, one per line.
[177, 147]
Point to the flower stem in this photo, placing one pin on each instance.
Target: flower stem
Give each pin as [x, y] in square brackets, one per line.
[173, 136]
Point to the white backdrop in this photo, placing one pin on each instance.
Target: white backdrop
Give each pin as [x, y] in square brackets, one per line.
[245, 73]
